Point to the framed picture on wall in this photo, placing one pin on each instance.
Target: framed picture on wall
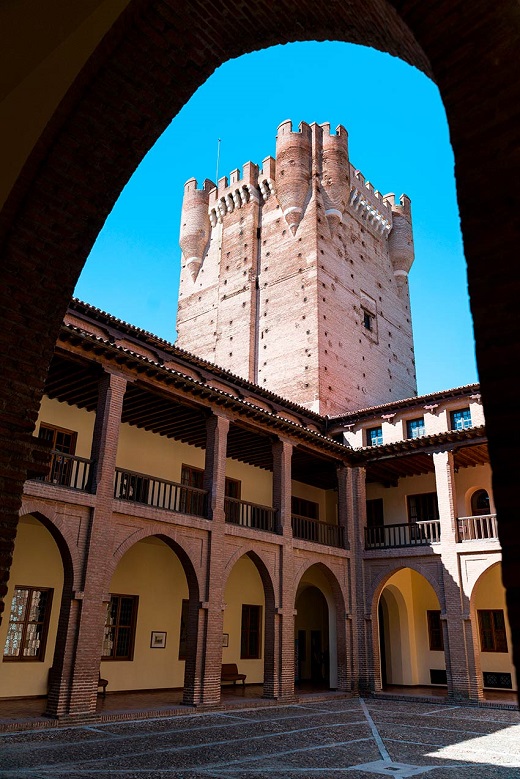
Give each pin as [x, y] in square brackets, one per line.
[225, 639]
[158, 639]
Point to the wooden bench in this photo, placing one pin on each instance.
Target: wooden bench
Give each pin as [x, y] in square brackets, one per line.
[103, 683]
[230, 673]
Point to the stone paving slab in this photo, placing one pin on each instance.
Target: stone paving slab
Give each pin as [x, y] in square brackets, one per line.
[328, 739]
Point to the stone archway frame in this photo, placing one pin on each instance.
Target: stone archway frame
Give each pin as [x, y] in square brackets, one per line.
[147, 66]
[340, 649]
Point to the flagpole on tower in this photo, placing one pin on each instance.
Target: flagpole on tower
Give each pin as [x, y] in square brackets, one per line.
[218, 159]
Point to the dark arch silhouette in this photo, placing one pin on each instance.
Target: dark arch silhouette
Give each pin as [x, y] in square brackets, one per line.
[145, 68]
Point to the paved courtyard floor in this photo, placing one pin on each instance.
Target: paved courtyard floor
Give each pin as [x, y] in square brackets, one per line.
[343, 739]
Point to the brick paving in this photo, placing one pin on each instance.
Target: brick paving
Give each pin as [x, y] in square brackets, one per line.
[318, 737]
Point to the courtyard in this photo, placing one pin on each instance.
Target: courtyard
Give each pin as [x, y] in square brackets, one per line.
[321, 737]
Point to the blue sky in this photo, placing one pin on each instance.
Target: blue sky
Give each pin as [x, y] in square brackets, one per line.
[398, 138]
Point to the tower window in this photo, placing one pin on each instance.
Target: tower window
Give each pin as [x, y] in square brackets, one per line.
[368, 321]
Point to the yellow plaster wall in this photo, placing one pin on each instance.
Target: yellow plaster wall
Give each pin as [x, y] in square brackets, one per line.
[244, 585]
[489, 593]
[146, 452]
[36, 563]
[73, 418]
[424, 599]
[153, 572]
[468, 481]
[394, 498]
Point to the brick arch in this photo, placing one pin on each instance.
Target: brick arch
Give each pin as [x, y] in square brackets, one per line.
[71, 574]
[263, 567]
[138, 78]
[54, 522]
[194, 588]
[338, 596]
[378, 586]
[374, 679]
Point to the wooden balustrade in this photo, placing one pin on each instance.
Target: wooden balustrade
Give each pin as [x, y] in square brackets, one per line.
[318, 532]
[141, 488]
[67, 470]
[403, 535]
[475, 528]
[241, 512]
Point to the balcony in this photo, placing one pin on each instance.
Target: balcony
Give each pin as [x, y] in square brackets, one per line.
[66, 470]
[477, 528]
[318, 532]
[403, 535]
[245, 514]
[144, 489]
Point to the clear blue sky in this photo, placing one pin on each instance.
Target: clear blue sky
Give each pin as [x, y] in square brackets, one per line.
[398, 138]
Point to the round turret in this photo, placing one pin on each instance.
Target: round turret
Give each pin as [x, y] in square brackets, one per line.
[335, 172]
[400, 240]
[293, 170]
[195, 224]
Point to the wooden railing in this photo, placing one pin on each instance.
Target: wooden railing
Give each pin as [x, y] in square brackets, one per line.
[319, 532]
[475, 528]
[67, 470]
[409, 534]
[141, 488]
[241, 512]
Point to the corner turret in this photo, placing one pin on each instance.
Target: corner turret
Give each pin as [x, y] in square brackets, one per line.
[335, 172]
[293, 170]
[195, 224]
[400, 240]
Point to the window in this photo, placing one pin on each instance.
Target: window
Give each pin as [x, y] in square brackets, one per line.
[118, 640]
[435, 634]
[192, 477]
[368, 321]
[492, 630]
[374, 436]
[251, 632]
[461, 419]
[423, 508]
[415, 428]
[479, 503]
[28, 623]
[60, 440]
[375, 516]
[305, 508]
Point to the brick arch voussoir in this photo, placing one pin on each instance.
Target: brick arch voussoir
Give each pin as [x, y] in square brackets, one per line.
[55, 523]
[263, 565]
[339, 592]
[381, 581]
[492, 564]
[189, 565]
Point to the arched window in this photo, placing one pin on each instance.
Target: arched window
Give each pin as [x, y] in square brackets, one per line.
[480, 503]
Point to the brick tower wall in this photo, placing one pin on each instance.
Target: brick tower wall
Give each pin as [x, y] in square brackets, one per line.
[295, 277]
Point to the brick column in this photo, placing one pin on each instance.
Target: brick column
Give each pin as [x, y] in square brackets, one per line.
[78, 650]
[281, 685]
[458, 643]
[362, 671]
[207, 668]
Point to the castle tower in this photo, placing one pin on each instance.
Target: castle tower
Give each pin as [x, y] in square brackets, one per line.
[295, 276]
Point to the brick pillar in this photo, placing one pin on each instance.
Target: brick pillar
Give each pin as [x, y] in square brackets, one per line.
[458, 642]
[344, 636]
[359, 624]
[78, 650]
[281, 685]
[206, 688]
